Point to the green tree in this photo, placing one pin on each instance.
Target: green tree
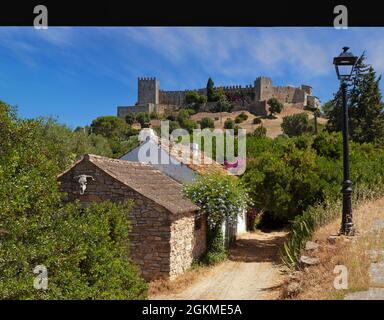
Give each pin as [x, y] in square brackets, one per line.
[130, 118]
[275, 106]
[365, 108]
[327, 107]
[210, 90]
[296, 124]
[192, 97]
[85, 251]
[110, 127]
[207, 123]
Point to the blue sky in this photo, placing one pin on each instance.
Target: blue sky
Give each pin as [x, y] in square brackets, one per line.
[78, 74]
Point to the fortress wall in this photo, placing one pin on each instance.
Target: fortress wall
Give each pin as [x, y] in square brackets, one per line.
[148, 90]
[172, 97]
[289, 94]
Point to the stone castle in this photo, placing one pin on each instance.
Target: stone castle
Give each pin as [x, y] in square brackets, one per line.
[251, 97]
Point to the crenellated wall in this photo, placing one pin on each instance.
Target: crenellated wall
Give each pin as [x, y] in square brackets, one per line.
[151, 98]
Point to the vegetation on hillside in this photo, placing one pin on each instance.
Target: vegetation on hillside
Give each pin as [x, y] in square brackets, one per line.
[85, 251]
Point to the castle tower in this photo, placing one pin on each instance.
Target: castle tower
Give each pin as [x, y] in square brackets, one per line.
[148, 91]
[263, 88]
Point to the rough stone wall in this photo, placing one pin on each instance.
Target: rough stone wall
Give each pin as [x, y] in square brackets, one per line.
[148, 91]
[123, 111]
[150, 235]
[259, 108]
[263, 88]
[186, 243]
[162, 244]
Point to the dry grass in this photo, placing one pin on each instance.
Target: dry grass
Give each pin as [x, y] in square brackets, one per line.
[164, 286]
[316, 282]
[273, 126]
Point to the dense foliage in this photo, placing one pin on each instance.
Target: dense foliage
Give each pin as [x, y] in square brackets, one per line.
[275, 106]
[221, 198]
[207, 123]
[365, 108]
[296, 124]
[85, 251]
[286, 176]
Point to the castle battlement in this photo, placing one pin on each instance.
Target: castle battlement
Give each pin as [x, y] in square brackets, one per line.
[149, 94]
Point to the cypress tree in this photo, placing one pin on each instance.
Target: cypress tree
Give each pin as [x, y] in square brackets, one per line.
[210, 90]
[365, 109]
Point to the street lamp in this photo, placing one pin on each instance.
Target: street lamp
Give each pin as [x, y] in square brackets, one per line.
[344, 65]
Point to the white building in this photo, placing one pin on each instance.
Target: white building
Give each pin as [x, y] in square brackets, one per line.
[182, 163]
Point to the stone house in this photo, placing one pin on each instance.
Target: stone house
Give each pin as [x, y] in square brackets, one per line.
[182, 163]
[166, 235]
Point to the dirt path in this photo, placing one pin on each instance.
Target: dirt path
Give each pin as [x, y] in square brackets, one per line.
[252, 272]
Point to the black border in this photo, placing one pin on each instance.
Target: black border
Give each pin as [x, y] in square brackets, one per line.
[192, 13]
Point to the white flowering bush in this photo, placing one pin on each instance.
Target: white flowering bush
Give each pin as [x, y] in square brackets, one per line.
[220, 198]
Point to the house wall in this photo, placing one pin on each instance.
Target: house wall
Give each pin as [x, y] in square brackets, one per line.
[187, 243]
[150, 237]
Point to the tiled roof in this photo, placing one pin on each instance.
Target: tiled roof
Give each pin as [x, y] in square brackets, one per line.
[200, 163]
[144, 179]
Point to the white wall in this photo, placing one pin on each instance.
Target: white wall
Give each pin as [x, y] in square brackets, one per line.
[174, 169]
[181, 173]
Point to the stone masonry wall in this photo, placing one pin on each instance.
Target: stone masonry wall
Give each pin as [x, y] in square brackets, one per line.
[186, 243]
[151, 228]
[162, 244]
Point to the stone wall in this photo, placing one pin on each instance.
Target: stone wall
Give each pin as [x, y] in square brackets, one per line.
[148, 91]
[187, 243]
[151, 232]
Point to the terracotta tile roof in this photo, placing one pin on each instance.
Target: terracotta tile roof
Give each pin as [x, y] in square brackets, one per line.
[200, 163]
[144, 179]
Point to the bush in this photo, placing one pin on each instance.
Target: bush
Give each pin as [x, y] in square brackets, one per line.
[256, 120]
[130, 118]
[154, 115]
[238, 120]
[207, 123]
[275, 106]
[86, 251]
[142, 118]
[296, 124]
[221, 198]
[229, 124]
[260, 132]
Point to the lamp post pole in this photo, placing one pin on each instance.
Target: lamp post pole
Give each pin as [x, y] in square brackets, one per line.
[347, 227]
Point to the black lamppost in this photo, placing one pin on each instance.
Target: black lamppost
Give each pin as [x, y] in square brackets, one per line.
[344, 65]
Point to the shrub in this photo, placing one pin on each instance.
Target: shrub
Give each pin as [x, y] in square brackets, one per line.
[256, 120]
[229, 124]
[296, 124]
[221, 198]
[154, 115]
[260, 132]
[142, 118]
[243, 116]
[207, 123]
[86, 251]
[275, 106]
[130, 118]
